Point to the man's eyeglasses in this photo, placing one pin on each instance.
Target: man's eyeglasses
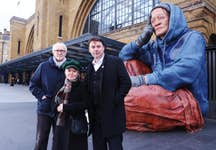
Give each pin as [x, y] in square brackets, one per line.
[60, 50]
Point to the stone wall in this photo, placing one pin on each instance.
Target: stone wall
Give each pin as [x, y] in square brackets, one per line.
[17, 30]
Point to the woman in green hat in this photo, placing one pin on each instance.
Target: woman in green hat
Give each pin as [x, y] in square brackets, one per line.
[71, 125]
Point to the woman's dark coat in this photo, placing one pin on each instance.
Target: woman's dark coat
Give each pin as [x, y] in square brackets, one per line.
[64, 139]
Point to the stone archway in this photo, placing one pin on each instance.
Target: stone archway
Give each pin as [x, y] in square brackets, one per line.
[29, 45]
[81, 16]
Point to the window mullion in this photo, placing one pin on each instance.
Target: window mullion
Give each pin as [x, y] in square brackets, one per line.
[120, 14]
[102, 12]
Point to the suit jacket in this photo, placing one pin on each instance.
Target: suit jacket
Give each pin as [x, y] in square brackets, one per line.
[115, 85]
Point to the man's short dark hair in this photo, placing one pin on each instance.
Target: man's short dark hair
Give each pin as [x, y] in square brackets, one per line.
[96, 38]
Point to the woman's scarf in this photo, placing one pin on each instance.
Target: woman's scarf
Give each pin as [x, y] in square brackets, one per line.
[65, 90]
[61, 94]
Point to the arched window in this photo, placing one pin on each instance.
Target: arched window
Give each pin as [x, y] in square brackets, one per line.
[109, 15]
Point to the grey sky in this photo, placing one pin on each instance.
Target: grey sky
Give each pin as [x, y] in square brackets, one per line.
[19, 8]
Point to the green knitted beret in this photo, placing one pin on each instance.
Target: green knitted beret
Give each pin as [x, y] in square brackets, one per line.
[72, 63]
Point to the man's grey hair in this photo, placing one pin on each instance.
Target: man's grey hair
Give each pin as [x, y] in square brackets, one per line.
[64, 47]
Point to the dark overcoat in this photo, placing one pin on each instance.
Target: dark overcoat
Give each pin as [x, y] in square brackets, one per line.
[64, 139]
[115, 85]
[46, 80]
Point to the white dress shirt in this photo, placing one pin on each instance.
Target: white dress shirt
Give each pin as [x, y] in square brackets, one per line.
[98, 63]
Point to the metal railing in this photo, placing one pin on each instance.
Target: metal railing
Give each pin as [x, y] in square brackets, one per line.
[211, 70]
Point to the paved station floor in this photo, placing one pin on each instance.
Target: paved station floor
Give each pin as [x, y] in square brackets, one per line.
[18, 123]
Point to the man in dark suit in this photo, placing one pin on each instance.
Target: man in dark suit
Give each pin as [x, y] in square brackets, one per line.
[108, 83]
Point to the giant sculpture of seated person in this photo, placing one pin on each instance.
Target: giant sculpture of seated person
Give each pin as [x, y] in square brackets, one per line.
[174, 92]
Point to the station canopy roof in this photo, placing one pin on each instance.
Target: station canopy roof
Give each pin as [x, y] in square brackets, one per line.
[77, 49]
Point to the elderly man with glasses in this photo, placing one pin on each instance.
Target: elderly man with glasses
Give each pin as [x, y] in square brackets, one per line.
[44, 84]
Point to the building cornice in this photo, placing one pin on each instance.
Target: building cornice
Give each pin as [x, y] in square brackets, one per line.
[188, 6]
[18, 20]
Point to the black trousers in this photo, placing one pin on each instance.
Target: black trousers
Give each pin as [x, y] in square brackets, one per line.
[44, 124]
[105, 143]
